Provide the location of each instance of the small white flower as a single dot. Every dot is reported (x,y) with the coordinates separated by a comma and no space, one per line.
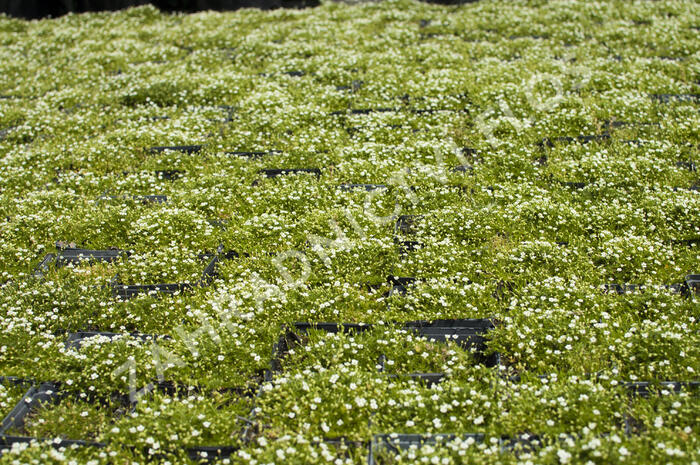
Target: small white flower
(564,456)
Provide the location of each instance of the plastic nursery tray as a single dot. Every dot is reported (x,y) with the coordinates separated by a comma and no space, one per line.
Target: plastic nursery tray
(690,242)
(48,393)
(621,124)
(645,389)
(75,340)
(273,173)
(688,165)
(354,86)
(573,184)
(462,169)
(547,142)
(221,224)
(399,285)
(169,175)
(467,333)
(367,111)
(364,111)
(253,155)
(396,443)
(165,175)
(30,400)
(127,291)
(405,223)
(361,187)
(408,246)
(667,98)
(177,148)
(4,132)
(691,285)
(74,256)
(292,73)
(352,130)
(694,187)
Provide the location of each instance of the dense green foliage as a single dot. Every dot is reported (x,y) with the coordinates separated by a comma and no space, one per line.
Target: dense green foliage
(511,237)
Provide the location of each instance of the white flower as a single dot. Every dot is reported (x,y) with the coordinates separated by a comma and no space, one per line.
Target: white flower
(479,420)
(564,456)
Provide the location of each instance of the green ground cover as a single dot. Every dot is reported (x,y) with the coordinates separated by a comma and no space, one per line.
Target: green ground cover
(515,158)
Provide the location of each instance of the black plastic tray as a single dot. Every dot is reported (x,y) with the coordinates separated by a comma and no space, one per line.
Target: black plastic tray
(354,86)
(690,286)
(691,242)
(253,155)
(547,142)
(573,184)
(404,223)
(396,443)
(688,165)
(177,148)
(48,392)
(367,111)
(645,389)
(74,256)
(428,378)
(273,173)
(622,289)
(169,175)
(400,285)
(408,246)
(361,187)
(667,98)
(74,340)
(467,333)
(127,291)
(35,395)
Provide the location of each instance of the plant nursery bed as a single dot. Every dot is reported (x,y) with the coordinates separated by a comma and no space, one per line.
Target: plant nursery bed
(483,218)
(76,256)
